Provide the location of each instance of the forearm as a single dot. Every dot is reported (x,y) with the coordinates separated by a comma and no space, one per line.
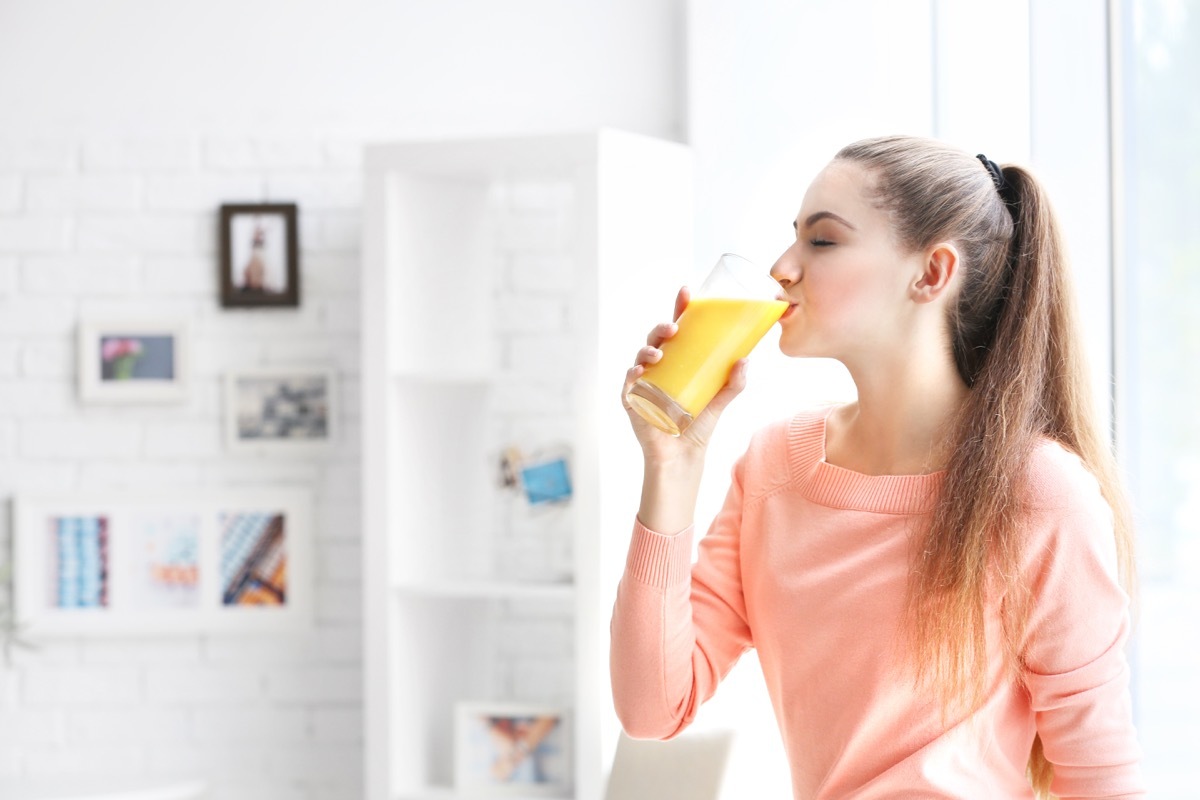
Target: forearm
(669,492)
(652,636)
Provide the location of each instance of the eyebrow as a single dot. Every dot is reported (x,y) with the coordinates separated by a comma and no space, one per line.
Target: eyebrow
(820,215)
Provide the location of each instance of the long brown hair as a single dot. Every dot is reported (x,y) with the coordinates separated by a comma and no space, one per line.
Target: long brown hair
(1015,343)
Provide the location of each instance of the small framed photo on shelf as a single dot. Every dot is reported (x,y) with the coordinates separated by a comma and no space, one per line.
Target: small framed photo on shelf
(546,479)
(543,476)
(260,258)
(512,749)
(280,410)
(133,565)
(133,361)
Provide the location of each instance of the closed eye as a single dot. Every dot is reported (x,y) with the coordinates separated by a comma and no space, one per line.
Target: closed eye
(820,243)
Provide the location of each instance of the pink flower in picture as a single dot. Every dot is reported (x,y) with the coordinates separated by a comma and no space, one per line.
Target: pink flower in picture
(121,354)
(112,349)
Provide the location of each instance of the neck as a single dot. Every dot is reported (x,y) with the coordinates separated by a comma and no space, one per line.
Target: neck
(903,421)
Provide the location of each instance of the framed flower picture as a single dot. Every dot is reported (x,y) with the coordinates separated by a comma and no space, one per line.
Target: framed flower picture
(104,565)
(133,361)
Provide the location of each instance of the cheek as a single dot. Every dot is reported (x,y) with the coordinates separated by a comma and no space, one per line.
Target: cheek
(851,299)
(873,277)
(839,300)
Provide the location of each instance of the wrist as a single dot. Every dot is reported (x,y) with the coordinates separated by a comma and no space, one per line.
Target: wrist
(683,462)
(669,493)
(675,481)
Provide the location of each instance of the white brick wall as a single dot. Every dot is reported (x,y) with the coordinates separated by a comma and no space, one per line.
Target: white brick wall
(8,275)
(82,193)
(113,226)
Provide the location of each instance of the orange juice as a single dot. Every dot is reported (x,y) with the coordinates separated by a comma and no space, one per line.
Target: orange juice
(713,333)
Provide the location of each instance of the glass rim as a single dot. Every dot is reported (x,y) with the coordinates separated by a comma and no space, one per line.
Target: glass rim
(743,273)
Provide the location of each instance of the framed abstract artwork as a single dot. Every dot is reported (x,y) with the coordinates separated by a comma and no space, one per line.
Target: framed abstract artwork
(110,564)
(505,749)
(280,410)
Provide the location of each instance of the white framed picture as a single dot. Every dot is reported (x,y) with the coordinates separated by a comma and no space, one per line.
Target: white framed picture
(113,564)
(280,410)
(512,749)
(133,361)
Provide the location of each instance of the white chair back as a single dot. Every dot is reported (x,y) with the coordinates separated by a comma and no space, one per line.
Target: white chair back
(689,767)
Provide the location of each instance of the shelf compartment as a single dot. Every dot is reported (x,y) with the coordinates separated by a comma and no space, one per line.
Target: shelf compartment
(458,649)
(441,235)
(444,487)
(488,589)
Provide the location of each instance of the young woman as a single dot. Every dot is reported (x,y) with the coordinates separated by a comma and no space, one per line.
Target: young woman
(937,576)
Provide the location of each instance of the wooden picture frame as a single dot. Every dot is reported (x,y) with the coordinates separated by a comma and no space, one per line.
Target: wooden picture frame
(140,360)
(259,255)
(131,564)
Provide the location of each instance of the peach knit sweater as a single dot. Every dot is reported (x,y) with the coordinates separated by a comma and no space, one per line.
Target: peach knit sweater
(807,562)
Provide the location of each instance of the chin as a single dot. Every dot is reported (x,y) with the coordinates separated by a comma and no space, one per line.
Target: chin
(796,347)
(791,350)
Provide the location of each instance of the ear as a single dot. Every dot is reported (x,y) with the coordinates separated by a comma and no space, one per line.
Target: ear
(940,268)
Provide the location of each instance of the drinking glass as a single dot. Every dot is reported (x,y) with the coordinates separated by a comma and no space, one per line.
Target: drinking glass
(734,307)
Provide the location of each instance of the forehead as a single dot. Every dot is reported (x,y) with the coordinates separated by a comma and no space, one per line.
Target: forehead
(844,188)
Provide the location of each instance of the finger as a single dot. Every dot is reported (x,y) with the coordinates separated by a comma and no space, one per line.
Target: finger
(681,301)
(648,355)
(661,333)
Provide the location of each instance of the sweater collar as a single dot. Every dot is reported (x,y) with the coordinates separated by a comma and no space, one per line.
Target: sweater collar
(836,487)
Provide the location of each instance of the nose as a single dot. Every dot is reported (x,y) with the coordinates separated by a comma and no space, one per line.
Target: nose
(786,271)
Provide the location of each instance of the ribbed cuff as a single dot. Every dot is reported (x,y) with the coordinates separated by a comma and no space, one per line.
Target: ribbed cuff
(1123,782)
(660,559)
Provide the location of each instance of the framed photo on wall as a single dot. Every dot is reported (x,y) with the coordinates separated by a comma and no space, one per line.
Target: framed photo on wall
(133,361)
(512,749)
(105,565)
(260,258)
(280,410)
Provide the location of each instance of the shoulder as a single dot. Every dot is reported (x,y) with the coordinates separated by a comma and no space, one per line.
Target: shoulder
(777,450)
(1057,480)
(1079,607)
(1064,506)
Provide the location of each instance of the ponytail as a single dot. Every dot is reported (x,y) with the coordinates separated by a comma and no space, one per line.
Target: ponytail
(1016,344)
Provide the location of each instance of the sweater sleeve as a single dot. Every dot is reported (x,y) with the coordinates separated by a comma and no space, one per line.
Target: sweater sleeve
(675,635)
(1076,670)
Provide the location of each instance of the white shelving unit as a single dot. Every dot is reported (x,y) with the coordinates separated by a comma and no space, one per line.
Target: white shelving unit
(507,284)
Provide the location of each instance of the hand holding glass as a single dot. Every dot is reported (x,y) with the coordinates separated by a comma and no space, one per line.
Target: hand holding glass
(734,308)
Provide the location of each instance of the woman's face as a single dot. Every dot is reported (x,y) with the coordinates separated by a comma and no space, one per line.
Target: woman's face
(845,274)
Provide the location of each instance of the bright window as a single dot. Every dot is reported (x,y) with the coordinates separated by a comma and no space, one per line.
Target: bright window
(1158,291)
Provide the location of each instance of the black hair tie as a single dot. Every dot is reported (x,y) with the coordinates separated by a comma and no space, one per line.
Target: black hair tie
(996,173)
